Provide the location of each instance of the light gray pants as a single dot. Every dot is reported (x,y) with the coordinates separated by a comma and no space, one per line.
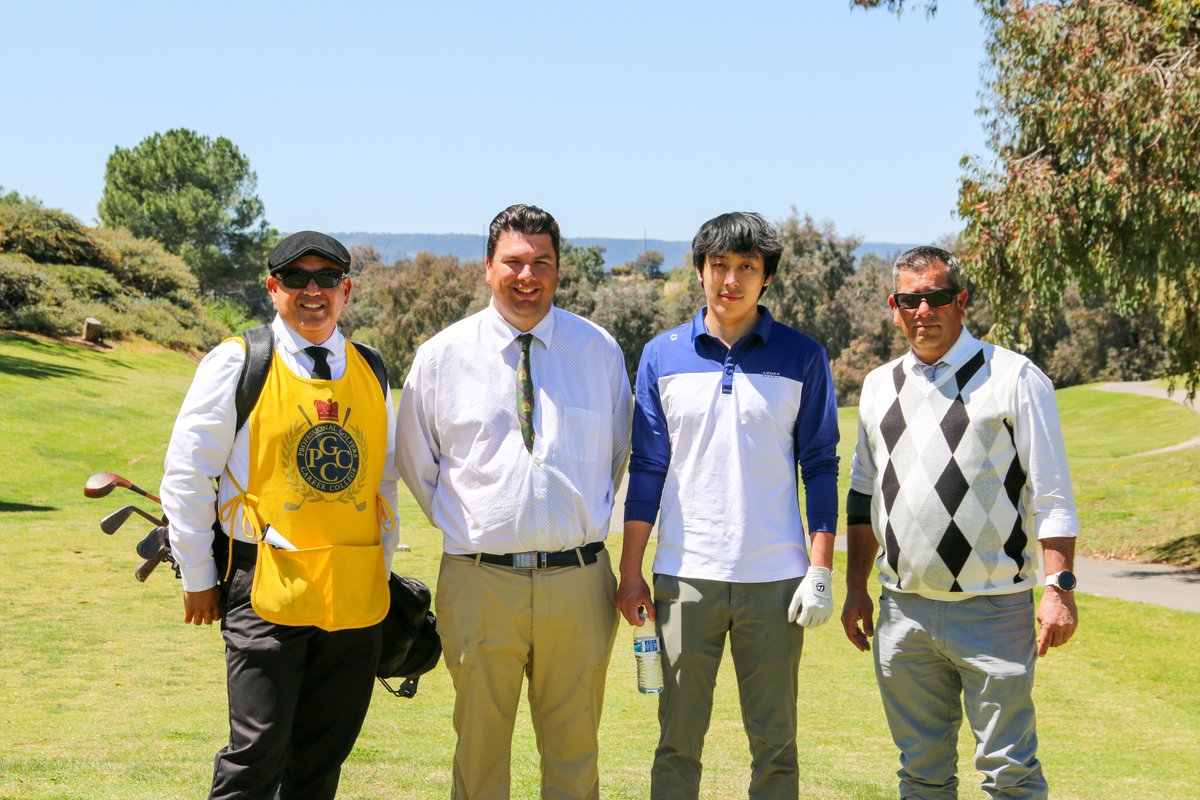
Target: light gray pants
(935,657)
(694,619)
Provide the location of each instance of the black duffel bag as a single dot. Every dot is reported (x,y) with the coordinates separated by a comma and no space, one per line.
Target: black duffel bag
(411,645)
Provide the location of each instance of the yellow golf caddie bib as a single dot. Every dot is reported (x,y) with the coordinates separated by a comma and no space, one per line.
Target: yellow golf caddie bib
(316,457)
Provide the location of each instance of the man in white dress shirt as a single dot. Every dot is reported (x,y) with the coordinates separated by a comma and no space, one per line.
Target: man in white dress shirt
(959,472)
(513,433)
(300,661)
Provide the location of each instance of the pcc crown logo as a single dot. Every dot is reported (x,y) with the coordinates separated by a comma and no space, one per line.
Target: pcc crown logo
(327,457)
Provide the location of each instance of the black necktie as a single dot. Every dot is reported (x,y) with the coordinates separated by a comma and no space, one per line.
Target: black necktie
(320,357)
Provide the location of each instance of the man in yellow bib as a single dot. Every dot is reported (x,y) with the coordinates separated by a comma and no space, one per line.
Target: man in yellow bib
(296,568)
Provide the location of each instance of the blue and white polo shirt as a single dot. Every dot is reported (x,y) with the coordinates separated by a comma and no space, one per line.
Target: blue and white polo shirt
(717,436)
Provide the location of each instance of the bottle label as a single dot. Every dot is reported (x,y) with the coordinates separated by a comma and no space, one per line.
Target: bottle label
(645,644)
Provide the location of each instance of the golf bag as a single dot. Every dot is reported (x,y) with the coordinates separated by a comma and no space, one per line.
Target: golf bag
(411,645)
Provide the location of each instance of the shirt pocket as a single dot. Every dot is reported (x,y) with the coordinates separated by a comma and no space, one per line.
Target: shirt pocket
(584,434)
(768,403)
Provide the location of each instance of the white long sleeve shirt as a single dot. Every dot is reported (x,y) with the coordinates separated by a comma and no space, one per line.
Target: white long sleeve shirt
(203,443)
(966,471)
(460,450)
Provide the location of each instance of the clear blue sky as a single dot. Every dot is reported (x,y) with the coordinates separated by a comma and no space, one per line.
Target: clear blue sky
(623,119)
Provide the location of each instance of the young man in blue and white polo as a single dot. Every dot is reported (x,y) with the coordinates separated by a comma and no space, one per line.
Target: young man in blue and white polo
(727,406)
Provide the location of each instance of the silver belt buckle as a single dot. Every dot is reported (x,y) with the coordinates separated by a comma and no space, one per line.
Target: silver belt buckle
(526,560)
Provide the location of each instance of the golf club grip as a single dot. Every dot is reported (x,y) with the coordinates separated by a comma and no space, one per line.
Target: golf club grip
(148,566)
(145,494)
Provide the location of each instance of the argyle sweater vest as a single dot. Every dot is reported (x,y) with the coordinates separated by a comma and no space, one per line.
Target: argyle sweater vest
(949,506)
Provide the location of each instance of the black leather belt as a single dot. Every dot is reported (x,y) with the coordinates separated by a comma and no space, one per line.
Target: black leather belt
(243,552)
(536,559)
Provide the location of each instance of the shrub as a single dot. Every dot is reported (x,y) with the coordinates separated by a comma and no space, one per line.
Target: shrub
(37,298)
(89,283)
(22,284)
(56,272)
(1099,344)
(232,314)
(397,308)
(145,265)
(628,309)
(14,198)
(161,321)
(46,235)
(55,299)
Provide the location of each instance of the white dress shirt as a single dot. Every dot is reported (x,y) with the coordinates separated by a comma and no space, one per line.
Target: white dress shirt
(203,444)
(459,447)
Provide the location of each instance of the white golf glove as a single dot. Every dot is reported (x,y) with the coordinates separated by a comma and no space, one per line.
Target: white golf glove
(813,601)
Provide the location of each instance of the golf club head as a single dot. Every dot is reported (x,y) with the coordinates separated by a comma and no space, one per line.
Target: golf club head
(143,572)
(116,519)
(102,483)
(152,544)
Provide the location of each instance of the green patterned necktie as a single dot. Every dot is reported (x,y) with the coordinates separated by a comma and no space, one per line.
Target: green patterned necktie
(525,393)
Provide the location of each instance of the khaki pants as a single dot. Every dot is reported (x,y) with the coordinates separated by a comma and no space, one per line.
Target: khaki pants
(556,627)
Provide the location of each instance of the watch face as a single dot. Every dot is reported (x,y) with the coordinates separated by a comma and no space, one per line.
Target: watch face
(1066,581)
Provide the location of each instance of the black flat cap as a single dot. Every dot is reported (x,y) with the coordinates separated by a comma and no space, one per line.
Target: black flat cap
(306,243)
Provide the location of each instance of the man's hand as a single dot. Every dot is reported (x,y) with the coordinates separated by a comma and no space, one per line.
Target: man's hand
(633,595)
(861,549)
(203,607)
(632,592)
(812,605)
(1057,617)
(858,608)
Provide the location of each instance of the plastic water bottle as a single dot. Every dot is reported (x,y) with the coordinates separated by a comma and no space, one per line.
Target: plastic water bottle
(647,652)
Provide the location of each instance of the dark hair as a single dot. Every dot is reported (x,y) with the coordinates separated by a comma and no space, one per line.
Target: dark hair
(741,232)
(924,258)
(526,219)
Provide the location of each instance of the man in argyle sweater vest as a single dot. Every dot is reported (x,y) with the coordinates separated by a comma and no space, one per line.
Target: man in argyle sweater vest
(959,469)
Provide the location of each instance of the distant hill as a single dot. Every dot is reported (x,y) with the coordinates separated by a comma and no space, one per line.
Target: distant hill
(470,246)
(395,246)
(885,250)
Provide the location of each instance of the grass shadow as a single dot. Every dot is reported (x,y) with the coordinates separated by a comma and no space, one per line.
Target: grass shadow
(6,507)
(1183,552)
(29,368)
(52,346)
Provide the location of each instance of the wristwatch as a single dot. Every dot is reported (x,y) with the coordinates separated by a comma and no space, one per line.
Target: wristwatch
(1062,580)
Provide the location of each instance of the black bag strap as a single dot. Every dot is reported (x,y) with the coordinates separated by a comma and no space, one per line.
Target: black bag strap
(260,347)
(374,359)
(406,689)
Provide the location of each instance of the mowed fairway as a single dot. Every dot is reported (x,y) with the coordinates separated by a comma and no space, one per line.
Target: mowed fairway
(104,693)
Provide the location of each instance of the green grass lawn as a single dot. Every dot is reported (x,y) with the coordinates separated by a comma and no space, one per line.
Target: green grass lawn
(105,694)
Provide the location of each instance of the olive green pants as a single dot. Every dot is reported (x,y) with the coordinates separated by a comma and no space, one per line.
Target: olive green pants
(694,619)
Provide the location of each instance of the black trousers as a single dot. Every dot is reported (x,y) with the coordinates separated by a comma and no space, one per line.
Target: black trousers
(297,698)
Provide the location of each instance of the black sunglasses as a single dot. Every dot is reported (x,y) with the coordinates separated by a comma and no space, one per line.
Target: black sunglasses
(936,298)
(298,278)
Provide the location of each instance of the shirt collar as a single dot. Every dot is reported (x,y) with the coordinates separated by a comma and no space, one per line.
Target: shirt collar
(959,352)
(293,342)
(761,329)
(502,332)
